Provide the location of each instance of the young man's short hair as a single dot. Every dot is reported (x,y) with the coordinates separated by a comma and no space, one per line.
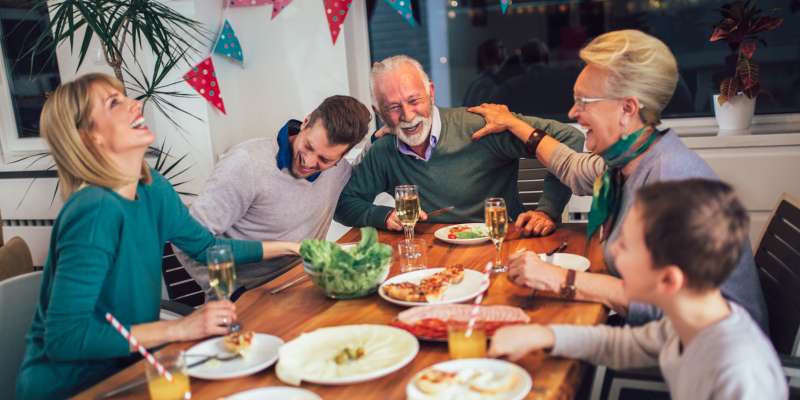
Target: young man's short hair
(345,119)
(698,225)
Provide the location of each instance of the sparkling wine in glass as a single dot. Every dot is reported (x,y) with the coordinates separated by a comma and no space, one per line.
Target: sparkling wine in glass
(221,273)
(407,205)
(497,223)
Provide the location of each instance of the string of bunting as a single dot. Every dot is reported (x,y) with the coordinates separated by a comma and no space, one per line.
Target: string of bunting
(202,77)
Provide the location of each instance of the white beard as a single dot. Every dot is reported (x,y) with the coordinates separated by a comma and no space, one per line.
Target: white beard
(418,138)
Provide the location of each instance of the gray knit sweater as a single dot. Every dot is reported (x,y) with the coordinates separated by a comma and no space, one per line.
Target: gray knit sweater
(729,360)
(248,197)
(668,159)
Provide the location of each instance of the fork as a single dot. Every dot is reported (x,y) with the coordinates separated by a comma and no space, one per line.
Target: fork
(207,358)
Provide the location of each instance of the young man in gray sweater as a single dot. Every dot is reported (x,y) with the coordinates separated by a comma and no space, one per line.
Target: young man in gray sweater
(678,243)
(283,187)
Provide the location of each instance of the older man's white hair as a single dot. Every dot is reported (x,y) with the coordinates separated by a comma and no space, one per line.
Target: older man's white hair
(392,63)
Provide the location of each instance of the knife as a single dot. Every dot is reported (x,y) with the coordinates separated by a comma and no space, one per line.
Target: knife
(441,211)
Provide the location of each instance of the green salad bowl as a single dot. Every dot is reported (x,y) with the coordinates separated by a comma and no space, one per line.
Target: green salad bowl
(349,283)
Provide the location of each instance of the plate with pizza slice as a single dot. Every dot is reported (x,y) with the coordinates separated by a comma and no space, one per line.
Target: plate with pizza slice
(453,284)
(472,233)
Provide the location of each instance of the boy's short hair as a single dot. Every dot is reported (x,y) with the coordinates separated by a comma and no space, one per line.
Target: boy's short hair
(699,225)
(345,118)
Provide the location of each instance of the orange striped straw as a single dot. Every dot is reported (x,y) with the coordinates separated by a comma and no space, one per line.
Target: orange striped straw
(473,314)
(135,343)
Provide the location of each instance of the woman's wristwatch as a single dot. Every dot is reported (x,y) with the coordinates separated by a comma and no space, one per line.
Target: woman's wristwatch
(569,290)
(533,140)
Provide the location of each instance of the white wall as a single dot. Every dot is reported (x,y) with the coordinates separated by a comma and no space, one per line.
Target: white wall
(290,67)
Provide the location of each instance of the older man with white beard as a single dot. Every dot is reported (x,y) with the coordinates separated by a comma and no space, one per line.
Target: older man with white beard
(432,148)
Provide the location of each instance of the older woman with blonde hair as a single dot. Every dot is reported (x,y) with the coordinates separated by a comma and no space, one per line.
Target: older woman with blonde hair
(106,245)
(628,80)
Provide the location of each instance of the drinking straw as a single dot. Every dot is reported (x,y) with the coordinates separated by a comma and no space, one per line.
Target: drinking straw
(135,343)
(473,314)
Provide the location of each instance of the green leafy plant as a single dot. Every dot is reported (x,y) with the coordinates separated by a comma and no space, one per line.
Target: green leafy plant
(126,28)
(741,24)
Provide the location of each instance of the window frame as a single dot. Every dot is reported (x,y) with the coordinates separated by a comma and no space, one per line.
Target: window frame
(11,145)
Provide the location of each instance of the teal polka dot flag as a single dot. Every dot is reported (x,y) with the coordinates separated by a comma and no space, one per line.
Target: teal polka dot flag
(228,44)
(403,7)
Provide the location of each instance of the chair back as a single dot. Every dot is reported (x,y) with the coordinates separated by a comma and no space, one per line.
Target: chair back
(181,287)
(778,261)
(530,182)
(19,297)
(15,259)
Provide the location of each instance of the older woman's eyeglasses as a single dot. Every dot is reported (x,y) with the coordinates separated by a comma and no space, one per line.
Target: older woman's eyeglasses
(581,102)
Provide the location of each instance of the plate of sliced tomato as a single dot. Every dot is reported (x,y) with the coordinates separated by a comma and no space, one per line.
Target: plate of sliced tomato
(472,233)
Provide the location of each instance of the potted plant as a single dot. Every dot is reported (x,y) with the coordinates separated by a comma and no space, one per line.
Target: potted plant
(741,24)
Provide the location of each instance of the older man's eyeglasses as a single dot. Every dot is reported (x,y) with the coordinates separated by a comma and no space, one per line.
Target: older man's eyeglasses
(581,101)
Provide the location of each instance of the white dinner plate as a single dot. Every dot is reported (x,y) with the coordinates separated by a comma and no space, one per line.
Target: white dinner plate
(262,353)
(522,387)
(442,233)
(567,261)
(472,285)
(310,357)
(275,393)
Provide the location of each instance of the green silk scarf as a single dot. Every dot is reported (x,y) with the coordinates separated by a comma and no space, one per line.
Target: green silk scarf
(607,193)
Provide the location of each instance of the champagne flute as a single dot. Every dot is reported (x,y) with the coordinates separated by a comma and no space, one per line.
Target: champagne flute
(222,274)
(497,223)
(407,206)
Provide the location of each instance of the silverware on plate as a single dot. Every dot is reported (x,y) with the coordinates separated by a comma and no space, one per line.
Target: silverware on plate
(206,358)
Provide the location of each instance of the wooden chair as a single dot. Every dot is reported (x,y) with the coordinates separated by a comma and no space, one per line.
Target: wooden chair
(778,261)
(184,293)
(530,182)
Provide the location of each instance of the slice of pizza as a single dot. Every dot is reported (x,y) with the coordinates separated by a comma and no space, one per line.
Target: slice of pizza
(238,342)
(455,273)
(434,287)
(404,291)
(434,381)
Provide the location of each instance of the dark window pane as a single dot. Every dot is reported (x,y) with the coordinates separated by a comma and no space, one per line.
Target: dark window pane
(30,78)
(528,58)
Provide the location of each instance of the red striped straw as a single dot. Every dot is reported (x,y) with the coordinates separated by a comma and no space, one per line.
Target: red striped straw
(135,343)
(473,314)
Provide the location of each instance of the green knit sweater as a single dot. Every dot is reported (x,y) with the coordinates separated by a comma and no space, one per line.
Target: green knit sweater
(460,172)
(105,256)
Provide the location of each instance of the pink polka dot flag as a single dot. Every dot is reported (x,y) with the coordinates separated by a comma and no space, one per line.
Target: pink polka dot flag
(403,7)
(228,44)
(504,5)
(248,3)
(336,12)
(202,77)
(278,5)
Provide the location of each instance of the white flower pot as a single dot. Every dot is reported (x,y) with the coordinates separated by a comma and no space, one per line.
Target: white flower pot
(734,117)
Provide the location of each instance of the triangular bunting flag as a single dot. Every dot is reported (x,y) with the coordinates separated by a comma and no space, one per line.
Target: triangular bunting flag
(203,79)
(248,3)
(336,12)
(278,5)
(504,5)
(403,8)
(228,44)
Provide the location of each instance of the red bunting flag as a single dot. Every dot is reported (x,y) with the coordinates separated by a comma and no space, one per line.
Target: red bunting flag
(336,12)
(203,78)
(278,5)
(248,3)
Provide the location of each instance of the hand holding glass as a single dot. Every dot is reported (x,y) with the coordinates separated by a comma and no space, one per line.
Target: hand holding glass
(221,273)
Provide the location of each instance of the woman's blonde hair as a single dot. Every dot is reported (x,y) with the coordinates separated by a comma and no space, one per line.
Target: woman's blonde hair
(639,66)
(65,124)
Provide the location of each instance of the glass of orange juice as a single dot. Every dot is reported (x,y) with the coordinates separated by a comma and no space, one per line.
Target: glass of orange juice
(159,387)
(465,344)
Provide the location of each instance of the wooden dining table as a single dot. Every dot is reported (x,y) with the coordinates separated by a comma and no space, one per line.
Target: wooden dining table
(304,308)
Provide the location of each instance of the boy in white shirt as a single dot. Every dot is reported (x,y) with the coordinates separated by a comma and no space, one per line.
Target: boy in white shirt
(678,244)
